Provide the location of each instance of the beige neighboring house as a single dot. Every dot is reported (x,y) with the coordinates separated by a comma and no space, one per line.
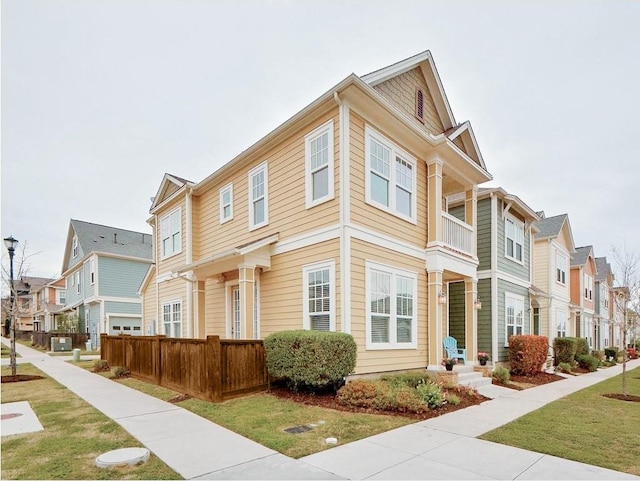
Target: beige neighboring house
(27,289)
(551,266)
(336,220)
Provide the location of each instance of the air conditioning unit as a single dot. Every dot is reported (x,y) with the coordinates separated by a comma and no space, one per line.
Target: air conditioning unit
(60,344)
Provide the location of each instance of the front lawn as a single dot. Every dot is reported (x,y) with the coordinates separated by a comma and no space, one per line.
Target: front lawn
(584,426)
(75,433)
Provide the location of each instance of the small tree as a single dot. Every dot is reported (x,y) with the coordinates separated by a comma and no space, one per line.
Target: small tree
(67,322)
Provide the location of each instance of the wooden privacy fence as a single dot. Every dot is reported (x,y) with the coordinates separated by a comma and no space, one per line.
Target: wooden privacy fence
(211,369)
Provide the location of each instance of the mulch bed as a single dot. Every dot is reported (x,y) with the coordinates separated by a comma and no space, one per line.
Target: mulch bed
(179,398)
(329,401)
(622,397)
(523,382)
(20,378)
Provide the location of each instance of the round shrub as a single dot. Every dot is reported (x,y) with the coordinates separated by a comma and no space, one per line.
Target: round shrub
(588,362)
(310,359)
(527,354)
(564,349)
(565,367)
(430,394)
(501,374)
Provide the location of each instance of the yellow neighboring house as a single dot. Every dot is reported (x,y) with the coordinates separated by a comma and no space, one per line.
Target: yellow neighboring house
(336,220)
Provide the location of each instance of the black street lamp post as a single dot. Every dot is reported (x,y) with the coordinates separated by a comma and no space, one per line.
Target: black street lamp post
(10,244)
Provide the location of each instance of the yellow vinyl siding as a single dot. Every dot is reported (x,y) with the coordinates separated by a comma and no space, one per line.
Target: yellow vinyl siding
(171,291)
(377,219)
(541,265)
(281,288)
(401,91)
(287,212)
(149,305)
(392,359)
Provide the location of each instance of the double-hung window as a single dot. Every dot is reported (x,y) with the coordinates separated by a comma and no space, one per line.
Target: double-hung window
(391,307)
(172,318)
(258,197)
(391,177)
(226,203)
(514,315)
(561,322)
(319,297)
(318,148)
(588,287)
(92,272)
(77,282)
(561,268)
(514,239)
(171,233)
(74,246)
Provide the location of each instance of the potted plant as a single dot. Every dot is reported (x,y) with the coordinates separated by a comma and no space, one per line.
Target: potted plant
(448,363)
(483,357)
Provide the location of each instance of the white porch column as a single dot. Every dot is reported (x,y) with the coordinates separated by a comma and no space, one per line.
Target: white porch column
(435,319)
(246,286)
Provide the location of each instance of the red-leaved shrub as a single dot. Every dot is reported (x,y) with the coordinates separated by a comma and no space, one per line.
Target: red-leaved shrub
(527,354)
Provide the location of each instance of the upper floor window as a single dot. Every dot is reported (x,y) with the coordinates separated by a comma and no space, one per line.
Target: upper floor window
(92,272)
(514,315)
(77,274)
(226,203)
(420,104)
(258,197)
(319,297)
(318,148)
(74,246)
(604,296)
(62,296)
(588,287)
(391,307)
(170,233)
(514,239)
(391,177)
(561,268)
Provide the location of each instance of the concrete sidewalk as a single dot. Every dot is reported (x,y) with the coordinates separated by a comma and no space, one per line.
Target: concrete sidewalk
(440,448)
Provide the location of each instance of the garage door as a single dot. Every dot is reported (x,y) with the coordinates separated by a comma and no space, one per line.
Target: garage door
(125,325)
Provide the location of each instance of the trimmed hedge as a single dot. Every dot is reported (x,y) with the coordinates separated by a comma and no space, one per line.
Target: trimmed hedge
(527,354)
(586,361)
(582,346)
(564,349)
(310,359)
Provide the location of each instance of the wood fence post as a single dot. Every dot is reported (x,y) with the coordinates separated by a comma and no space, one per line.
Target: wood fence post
(157,358)
(103,350)
(214,371)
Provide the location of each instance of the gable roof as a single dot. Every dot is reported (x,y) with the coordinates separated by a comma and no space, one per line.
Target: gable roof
(168,187)
(551,227)
(424,60)
(581,255)
(603,269)
(107,240)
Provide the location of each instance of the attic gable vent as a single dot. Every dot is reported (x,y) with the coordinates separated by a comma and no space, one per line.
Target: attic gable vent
(420,104)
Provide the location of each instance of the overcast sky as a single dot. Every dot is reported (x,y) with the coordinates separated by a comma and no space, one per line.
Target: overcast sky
(101,97)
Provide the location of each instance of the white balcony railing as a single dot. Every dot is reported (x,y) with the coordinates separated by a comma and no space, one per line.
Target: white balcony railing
(457,234)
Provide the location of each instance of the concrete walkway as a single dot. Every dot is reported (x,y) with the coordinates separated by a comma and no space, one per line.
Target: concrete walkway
(441,448)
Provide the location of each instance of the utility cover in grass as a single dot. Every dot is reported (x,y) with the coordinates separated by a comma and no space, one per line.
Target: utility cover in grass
(298,429)
(123,457)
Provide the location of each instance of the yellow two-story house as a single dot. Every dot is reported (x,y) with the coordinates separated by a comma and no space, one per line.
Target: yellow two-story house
(336,220)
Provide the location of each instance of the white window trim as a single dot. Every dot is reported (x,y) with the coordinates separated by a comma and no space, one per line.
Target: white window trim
(520,299)
(171,303)
(163,219)
(517,225)
(224,190)
(395,151)
(77,274)
(326,128)
(588,287)
(262,167)
(74,246)
(92,272)
(331,265)
(566,322)
(564,267)
(393,271)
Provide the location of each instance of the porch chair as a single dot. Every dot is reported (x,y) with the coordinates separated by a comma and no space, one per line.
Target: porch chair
(453,351)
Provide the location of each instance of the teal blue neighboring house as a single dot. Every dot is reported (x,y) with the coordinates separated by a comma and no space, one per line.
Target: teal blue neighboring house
(506,293)
(103,268)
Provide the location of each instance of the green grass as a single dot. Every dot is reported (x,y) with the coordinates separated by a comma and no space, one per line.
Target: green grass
(263,418)
(74,434)
(584,426)
(6,352)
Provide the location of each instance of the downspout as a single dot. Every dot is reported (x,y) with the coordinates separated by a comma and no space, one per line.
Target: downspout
(189,259)
(345,215)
